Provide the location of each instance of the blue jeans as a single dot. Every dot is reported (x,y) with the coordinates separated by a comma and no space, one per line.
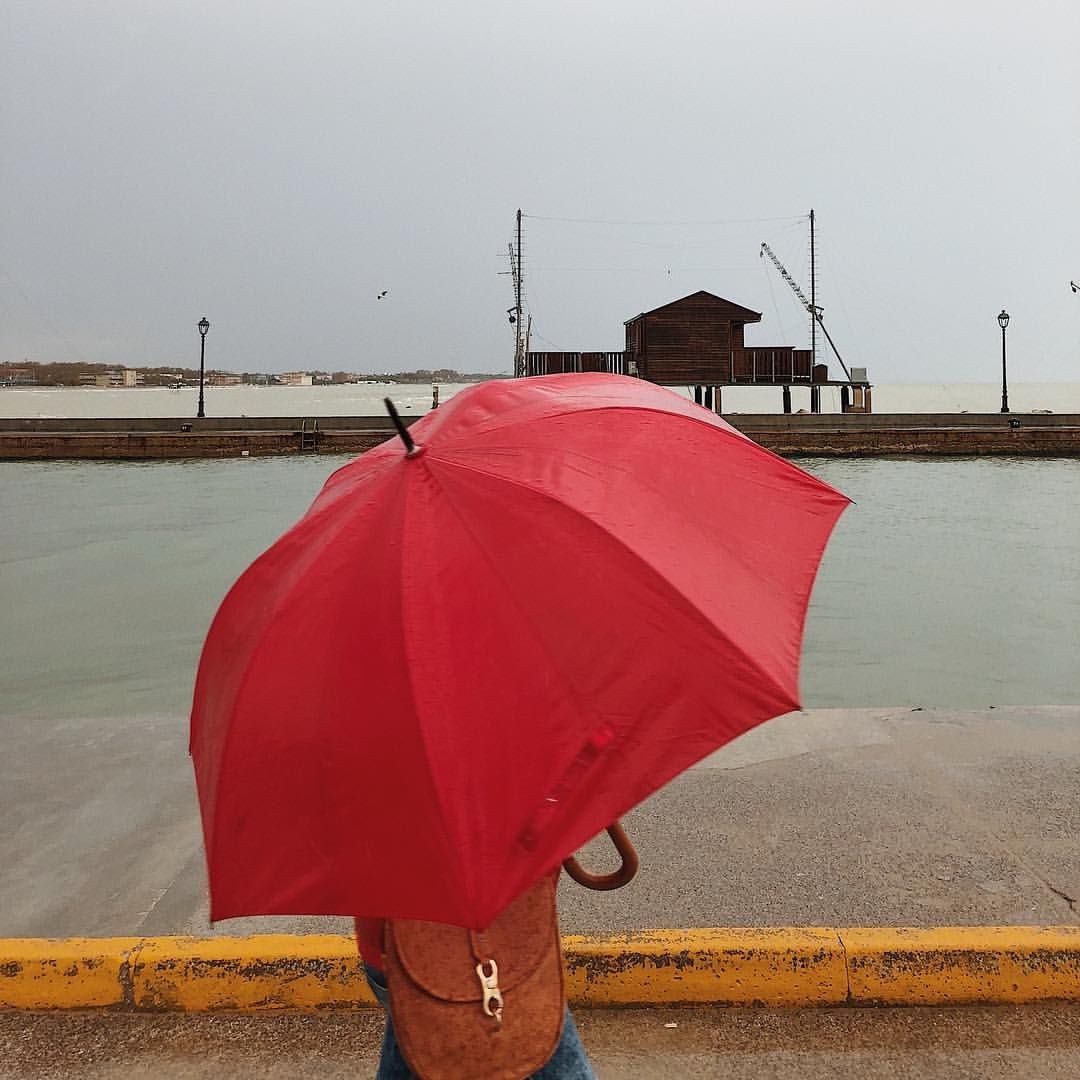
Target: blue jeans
(567,1063)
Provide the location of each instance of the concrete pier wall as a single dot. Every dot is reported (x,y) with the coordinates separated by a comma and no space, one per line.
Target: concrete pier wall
(936,434)
(877,434)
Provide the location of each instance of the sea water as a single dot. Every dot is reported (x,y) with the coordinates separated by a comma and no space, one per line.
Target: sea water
(949,582)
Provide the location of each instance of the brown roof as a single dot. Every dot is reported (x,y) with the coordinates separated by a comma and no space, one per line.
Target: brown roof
(726,307)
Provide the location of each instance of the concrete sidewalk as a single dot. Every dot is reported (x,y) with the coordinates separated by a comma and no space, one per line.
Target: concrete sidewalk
(872,817)
(656,1044)
(869,817)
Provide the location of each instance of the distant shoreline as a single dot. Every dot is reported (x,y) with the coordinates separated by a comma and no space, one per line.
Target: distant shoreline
(78,377)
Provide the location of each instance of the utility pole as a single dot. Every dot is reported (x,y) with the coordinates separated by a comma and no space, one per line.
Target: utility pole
(519,341)
(512,312)
(813,296)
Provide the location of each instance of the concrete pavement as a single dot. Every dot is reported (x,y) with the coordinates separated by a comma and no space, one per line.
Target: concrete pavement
(867,817)
(829,818)
(655,1044)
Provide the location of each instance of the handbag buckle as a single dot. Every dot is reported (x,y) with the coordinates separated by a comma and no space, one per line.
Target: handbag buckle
(489,984)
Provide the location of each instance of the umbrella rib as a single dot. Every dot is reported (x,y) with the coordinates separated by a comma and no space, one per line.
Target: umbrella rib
(573,691)
(210,840)
(723,428)
(638,557)
(493,563)
(576,456)
(409,674)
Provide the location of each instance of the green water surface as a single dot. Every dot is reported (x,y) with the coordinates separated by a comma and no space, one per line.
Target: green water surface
(949,582)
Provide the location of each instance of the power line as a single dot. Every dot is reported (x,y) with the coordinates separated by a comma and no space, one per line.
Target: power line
(634,269)
(772,297)
(517,261)
(547,341)
(715,221)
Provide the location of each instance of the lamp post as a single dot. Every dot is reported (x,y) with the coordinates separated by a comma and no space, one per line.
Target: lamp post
(203,327)
(1003,321)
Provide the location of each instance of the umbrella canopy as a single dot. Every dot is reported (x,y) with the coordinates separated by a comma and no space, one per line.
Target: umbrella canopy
(465,661)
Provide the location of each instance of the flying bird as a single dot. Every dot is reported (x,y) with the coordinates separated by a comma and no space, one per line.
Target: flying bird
(382,294)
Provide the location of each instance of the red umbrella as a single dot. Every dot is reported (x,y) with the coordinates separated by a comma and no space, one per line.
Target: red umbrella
(466,660)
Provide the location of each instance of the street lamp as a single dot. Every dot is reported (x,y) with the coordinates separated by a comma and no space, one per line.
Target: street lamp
(1003,321)
(203,327)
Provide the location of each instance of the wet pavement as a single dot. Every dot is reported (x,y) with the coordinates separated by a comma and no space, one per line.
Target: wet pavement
(856,817)
(737,1044)
(829,818)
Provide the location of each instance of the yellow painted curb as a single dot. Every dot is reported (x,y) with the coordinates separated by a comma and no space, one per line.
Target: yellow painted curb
(757,967)
(729,967)
(265,972)
(64,973)
(963,964)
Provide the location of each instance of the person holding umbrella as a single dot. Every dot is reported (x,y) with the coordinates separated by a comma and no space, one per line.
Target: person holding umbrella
(486,642)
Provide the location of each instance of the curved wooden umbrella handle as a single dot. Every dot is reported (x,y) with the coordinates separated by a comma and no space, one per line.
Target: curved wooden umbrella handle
(616,880)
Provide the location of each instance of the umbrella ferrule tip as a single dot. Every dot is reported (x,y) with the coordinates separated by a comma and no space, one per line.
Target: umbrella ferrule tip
(414,451)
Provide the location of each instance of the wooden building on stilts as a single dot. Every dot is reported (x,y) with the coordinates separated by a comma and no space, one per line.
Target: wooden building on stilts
(698,341)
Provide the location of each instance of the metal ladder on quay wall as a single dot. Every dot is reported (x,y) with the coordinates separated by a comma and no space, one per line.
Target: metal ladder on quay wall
(309,435)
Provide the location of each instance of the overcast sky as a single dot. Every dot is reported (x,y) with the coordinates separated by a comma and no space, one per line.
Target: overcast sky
(276,165)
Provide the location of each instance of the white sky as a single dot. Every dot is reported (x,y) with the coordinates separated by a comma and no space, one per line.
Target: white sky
(276,165)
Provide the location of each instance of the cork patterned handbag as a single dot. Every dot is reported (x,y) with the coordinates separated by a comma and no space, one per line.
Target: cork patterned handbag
(486,1005)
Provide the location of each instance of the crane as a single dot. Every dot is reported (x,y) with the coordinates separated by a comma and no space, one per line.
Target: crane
(815,310)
